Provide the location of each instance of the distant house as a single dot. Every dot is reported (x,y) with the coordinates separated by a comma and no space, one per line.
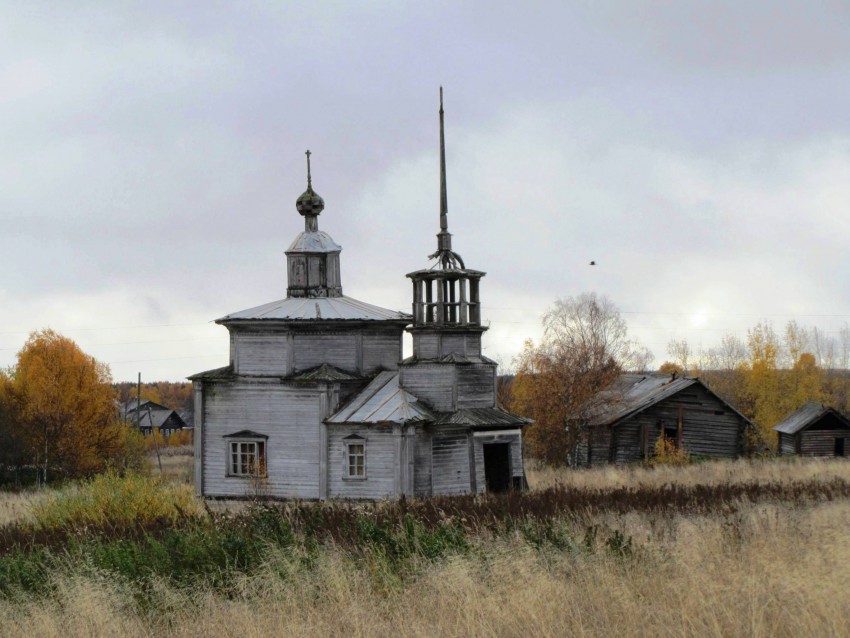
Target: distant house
(149,417)
(638,409)
(814,430)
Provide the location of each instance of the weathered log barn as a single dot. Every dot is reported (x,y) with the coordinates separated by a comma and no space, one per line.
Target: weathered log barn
(317,403)
(638,409)
(814,430)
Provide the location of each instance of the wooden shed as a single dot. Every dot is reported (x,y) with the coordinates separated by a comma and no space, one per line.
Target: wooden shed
(638,409)
(814,430)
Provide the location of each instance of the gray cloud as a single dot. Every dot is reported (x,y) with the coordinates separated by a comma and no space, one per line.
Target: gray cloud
(152,154)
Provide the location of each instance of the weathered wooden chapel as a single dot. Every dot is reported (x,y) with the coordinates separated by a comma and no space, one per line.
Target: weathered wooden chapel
(317,402)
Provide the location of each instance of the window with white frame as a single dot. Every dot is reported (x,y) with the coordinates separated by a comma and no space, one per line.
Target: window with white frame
(355,457)
(247,457)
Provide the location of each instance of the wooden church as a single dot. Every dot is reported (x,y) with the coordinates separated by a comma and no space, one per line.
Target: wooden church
(317,402)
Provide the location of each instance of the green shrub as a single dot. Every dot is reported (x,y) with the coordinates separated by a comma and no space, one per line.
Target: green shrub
(116,501)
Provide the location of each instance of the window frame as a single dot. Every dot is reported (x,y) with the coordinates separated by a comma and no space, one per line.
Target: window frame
(260,453)
(349,442)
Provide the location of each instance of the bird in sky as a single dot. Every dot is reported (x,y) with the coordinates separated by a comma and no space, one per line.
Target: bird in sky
(593,263)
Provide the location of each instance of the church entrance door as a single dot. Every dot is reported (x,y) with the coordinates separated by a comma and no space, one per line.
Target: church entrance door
(497,466)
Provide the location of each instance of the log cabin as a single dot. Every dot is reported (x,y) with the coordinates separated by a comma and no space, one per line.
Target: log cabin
(639,409)
(814,430)
(317,401)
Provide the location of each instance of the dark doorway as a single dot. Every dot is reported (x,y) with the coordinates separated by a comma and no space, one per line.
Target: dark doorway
(839,447)
(497,466)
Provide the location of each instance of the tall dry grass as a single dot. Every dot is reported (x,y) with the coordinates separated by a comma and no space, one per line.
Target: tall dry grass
(706,473)
(762,571)
(17,507)
(765,568)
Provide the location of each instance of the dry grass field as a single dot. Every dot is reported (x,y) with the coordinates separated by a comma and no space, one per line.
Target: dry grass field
(767,568)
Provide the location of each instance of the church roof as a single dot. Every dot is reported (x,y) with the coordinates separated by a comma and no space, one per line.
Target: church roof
(313,308)
(382,401)
(317,241)
(324,372)
(490,417)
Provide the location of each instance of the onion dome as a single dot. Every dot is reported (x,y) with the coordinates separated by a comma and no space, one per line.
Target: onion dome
(309,203)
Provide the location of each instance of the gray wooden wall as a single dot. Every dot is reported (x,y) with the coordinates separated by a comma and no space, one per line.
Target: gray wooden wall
(381,463)
(822,442)
(447,387)
(450,462)
(281,353)
(289,416)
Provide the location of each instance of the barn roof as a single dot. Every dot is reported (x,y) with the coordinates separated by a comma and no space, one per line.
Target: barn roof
(382,401)
(152,415)
(317,308)
(807,416)
(631,394)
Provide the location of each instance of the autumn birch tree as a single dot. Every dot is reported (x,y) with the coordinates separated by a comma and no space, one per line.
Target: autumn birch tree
(585,347)
(66,408)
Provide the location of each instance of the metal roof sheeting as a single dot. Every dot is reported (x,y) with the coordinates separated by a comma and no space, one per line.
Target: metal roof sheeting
(316,241)
(317,308)
(807,416)
(382,401)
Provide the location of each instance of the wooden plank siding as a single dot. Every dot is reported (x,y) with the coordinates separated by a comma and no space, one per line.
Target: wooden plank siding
(476,386)
(261,353)
(822,442)
(380,351)
(289,416)
(422,463)
(337,349)
(426,345)
(381,463)
(433,383)
(787,443)
(450,462)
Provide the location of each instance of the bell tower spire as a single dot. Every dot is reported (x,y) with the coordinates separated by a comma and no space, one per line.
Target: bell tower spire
(446,304)
(448,259)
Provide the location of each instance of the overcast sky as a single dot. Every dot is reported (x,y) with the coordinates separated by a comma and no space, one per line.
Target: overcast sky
(151,154)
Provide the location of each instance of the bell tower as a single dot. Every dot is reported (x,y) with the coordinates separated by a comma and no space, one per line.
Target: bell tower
(446,296)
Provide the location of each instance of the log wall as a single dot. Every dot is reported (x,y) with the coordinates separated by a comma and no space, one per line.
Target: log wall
(450,462)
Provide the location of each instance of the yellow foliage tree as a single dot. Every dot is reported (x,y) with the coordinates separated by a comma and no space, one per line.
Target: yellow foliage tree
(66,407)
(761,380)
(585,347)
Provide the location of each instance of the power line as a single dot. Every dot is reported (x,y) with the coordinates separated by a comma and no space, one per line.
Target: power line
(152,325)
(130,343)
